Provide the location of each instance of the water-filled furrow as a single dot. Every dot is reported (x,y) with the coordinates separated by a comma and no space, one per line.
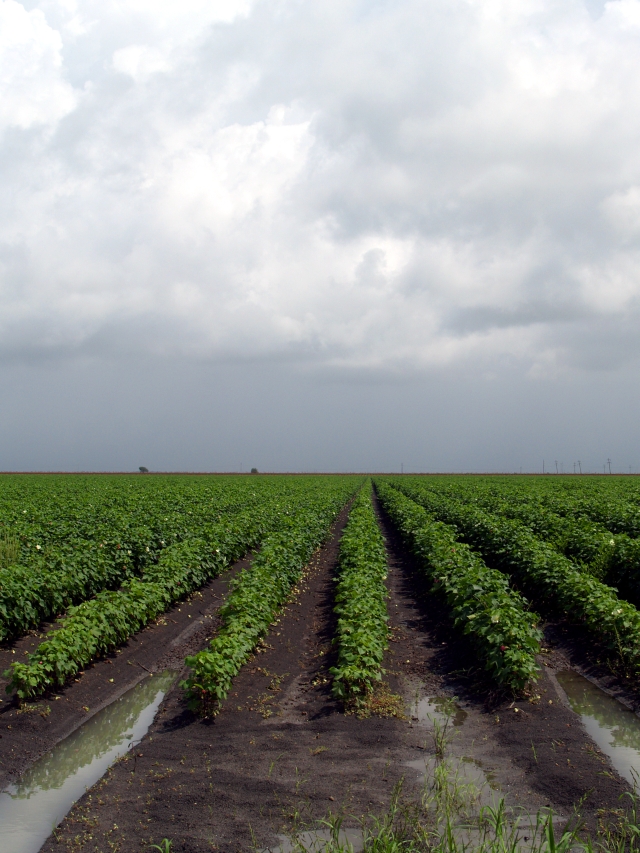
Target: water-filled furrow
(614,728)
(32,807)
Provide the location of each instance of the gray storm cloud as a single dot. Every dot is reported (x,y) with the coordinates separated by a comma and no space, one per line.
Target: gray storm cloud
(384,185)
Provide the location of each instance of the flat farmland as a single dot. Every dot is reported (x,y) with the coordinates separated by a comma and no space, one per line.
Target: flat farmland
(318,662)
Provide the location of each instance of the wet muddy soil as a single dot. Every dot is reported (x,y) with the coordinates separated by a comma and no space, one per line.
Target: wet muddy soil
(28,733)
(281,754)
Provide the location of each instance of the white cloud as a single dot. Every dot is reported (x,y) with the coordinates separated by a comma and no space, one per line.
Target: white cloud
(386,184)
(139,61)
(32,86)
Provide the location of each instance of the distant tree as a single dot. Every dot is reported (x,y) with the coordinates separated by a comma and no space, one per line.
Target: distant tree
(254,470)
(143,470)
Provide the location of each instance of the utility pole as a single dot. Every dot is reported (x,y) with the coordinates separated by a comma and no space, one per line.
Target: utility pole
(579,466)
(556,466)
(609,464)
(574,467)
(402,467)
(543,466)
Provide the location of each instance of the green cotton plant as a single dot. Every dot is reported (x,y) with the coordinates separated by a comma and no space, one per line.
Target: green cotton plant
(609,557)
(208,535)
(617,513)
(613,558)
(54,580)
(481,602)
(90,629)
(98,626)
(256,596)
(9,551)
(586,543)
(73,548)
(549,576)
(101,624)
(624,572)
(362,634)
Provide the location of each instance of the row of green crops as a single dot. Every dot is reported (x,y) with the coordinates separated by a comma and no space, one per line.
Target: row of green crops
(109,554)
(100,624)
(613,502)
(54,565)
(257,595)
(616,508)
(613,558)
(547,576)
(362,635)
(481,603)
(585,542)
(49,584)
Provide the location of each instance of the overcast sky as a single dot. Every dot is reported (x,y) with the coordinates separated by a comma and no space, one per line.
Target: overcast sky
(337,235)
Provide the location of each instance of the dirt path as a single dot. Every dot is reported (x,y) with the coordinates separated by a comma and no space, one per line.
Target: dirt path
(281,754)
(25,736)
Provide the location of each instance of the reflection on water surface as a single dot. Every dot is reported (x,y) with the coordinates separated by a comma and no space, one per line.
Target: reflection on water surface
(613,727)
(439,708)
(31,808)
(317,840)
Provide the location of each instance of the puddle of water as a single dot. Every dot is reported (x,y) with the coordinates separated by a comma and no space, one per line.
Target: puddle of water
(613,727)
(439,708)
(467,772)
(35,805)
(489,777)
(315,841)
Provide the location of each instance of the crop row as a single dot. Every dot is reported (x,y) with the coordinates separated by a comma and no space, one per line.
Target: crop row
(52,576)
(549,577)
(98,626)
(257,595)
(482,604)
(617,513)
(102,623)
(613,558)
(163,539)
(362,634)
(65,511)
(612,502)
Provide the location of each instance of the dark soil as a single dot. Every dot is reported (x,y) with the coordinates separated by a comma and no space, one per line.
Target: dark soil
(281,754)
(25,735)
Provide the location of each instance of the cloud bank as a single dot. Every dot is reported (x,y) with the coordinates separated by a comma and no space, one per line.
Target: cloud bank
(386,185)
